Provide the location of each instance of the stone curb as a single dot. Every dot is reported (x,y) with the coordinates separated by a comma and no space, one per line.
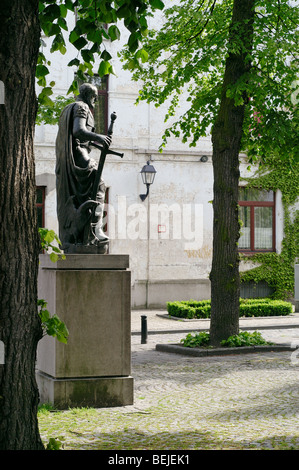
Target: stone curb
(243,328)
(253,318)
(200,352)
(193,325)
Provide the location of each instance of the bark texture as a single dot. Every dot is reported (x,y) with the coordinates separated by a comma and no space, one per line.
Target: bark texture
(226,138)
(20,328)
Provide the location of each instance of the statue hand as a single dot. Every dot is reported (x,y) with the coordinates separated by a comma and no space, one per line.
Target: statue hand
(105,139)
(108,140)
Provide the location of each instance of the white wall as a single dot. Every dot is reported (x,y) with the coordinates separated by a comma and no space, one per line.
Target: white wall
(165,265)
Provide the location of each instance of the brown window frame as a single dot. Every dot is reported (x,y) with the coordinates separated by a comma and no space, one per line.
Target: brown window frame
(104,93)
(101,92)
(252,205)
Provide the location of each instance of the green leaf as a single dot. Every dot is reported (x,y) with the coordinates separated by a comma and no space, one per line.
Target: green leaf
(51,12)
(52,325)
(49,236)
(41,58)
(133,41)
(143,55)
(104,68)
(74,88)
(157,4)
(63,10)
(73,36)
(44,315)
(81,72)
(41,70)
(80,43)
(95,36)
(74,62)
(41,6)
(43,97)
(69,5)
(62,23)
(132,64)
(54,257)
(53,444)
(58,44)
(53,29)
(87,56)
(144,32)
(41,302)
(123,12)
(106,56)
(114,32)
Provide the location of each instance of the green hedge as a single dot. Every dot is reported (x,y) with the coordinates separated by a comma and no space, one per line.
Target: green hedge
(248,308)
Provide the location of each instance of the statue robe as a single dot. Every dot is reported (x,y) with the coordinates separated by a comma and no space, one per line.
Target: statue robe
(74,185)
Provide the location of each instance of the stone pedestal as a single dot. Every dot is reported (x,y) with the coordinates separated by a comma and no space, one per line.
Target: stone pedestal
(91,295)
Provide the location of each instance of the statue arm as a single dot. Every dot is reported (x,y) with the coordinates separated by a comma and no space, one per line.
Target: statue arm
(81,133)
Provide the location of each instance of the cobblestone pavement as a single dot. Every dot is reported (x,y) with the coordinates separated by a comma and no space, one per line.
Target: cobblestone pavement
(240,401)
(247,401)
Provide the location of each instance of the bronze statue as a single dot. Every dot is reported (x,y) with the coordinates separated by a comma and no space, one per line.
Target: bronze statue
(80,189)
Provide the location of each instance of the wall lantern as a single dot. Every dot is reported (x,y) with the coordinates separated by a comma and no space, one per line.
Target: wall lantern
(148,174)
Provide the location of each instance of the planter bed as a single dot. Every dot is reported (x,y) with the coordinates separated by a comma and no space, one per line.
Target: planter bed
(221,351)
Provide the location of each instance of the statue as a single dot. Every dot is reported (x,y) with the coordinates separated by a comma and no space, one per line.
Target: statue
(80,188)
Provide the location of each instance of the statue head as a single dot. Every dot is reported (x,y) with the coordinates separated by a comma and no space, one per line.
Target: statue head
(88,94)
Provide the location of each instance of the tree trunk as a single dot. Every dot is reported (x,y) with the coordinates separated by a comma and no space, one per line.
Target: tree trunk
(226,138)
(20,328)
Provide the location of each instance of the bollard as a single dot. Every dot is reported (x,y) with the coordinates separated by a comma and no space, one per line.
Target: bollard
(143,329)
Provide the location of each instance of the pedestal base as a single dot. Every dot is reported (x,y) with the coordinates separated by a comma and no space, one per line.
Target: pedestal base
(101,249)
(91,295)
(101,392)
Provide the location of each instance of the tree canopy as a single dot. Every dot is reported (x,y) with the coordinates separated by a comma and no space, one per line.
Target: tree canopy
(188,53)
(233,64)
(96,20)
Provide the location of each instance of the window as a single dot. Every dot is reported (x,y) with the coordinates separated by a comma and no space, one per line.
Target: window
(40,205)
(257,212)
(101,107)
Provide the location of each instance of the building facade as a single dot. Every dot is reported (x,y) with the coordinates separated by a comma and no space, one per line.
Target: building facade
(168,235)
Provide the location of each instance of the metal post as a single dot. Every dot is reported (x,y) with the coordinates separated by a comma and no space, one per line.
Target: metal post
(143,329)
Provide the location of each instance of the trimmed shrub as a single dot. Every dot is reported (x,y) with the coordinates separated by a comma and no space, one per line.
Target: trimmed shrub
(248,308)
(264,309)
